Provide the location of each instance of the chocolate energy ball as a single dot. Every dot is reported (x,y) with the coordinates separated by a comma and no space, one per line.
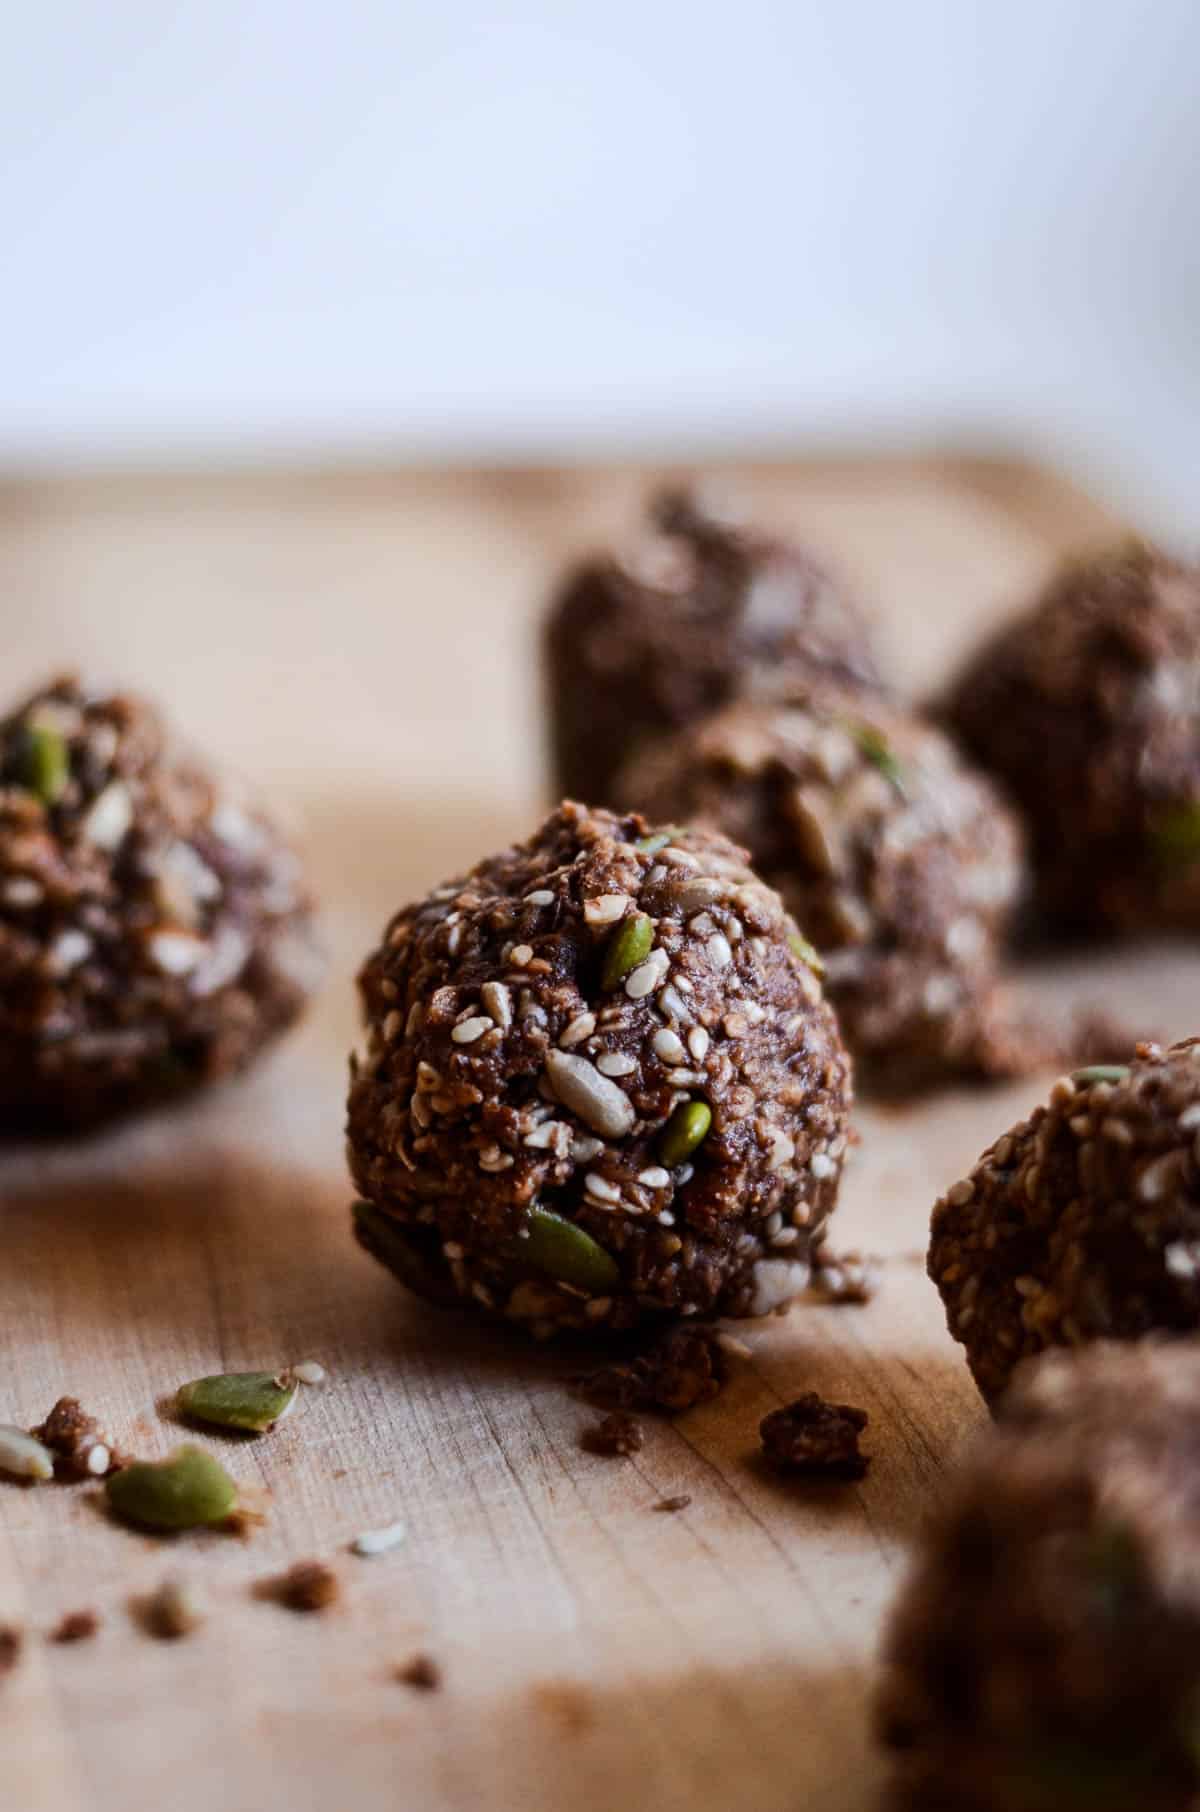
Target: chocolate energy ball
(155,932)
(898,862)
(701,612)
(1045,1654)
(1083,1221)
(601,1085)
(1087,710)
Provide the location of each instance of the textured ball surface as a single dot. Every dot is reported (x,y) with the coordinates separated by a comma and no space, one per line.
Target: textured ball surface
(1087,711)
(1081,1222)
(701,612)
(601,1087)
(1045,1653)
(155,931)
(898,861)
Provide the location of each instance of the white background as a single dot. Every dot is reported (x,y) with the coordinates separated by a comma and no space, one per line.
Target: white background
(544,229)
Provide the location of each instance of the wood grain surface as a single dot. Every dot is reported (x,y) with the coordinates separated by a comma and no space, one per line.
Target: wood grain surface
(363,643)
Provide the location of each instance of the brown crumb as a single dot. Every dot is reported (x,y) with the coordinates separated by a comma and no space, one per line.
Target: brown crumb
(81,1449)
(422,1672)
(174,1610)
(11,1639)
(248,1514)
(670,1504)
(812,1438)
(308,1586)
(844,1277)
(683,1367)
(76,1626)
(618,1436)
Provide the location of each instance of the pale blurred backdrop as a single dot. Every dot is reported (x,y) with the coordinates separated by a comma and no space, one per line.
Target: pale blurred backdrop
(545,230)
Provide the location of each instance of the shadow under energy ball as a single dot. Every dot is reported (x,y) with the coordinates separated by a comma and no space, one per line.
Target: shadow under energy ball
(155,930)
(699,611)
(601,1084)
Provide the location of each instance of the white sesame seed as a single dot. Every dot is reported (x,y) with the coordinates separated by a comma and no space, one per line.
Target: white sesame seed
(584,1148)
(453,940)
(719,953)
(310,1371)
(392,1025)
(773,1224)
(541,896)
(498,1001)
(678,858)
(787,1236)
(522,954)
(1152,1184)
(494,1160)
(669,1046)
(822,1166)
(703,925)
(109,817)
(416,1014)
(615,1063)
(655,1177)
(21,891)
(598,1308)
(959,1194)
(782,1151)
(471,1029)
(378,1541)
(671,1003)
(682,982)
(601,1188)
(451,1249)
(547,1136)
(69,949)
(605,909)
(1182,1259)
(175,952)
(1189,1119)
(581,1027)
(647,976)
(427,1076)
(698,1043)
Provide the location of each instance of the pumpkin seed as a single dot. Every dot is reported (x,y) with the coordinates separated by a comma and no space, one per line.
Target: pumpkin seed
(650,846)
(874,745)
(1175,835)
(253,1401)
(190,1490)
(565,1252)
(1100,1072)
(45,762)
(629,945)
(684,1132)
(23,1457)
(808,953)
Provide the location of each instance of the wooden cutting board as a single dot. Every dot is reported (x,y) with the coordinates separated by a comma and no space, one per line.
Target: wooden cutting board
(363,643)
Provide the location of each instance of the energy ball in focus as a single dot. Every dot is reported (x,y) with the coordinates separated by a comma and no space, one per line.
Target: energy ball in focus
(1087,711)
(155,933)
(898,862)
(601,1087)
(701,612)
(1082,1222)
(1045,1654)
